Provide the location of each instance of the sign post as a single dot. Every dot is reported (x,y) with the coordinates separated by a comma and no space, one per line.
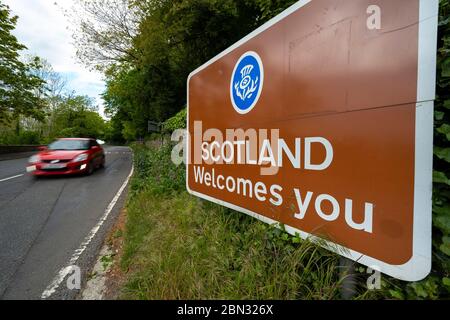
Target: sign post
(322,120)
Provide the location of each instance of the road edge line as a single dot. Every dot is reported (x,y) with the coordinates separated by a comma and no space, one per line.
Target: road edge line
(10,178)
(54,285)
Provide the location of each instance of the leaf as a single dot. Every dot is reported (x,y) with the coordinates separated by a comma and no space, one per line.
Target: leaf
(396,294)
(439,115)
(447,104)
(445,130)
(442,210)
(445,246)
(446,282)
(442,23)
(445,65)
(442,153)
(427,288)
(419,290)
(440,177)
(443,223)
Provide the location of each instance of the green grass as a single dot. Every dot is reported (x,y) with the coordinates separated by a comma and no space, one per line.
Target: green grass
(180,247)
(177,246)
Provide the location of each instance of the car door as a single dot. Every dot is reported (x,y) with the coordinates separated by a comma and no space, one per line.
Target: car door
(97,152)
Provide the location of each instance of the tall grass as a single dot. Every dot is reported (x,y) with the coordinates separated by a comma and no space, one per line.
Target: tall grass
(180,247)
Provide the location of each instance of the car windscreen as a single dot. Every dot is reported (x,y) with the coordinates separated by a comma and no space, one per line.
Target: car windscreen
(69,145)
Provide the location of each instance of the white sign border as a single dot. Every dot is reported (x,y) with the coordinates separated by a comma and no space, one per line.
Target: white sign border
(419,266)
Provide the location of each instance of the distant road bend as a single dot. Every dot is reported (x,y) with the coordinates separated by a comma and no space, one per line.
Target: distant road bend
(48,223)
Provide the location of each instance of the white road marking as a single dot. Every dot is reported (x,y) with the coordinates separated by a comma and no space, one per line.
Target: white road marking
(10,178)
(54,285)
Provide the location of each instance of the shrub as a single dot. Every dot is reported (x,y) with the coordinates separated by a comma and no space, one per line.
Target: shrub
(218,253)
(180,247)
(155,170)
(9,137)
(29,137)
(176,122)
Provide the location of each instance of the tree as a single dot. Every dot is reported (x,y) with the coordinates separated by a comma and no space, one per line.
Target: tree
(147,81)
(104,31)
(20,90)
(76,116)
(270,8)
(174,38)
(55,85)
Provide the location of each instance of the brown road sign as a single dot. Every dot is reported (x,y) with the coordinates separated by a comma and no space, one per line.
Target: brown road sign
(322,120)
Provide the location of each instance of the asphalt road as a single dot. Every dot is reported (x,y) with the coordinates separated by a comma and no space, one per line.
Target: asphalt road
(43,222)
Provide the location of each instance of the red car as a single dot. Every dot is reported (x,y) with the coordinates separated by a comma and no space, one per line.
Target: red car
(67,156)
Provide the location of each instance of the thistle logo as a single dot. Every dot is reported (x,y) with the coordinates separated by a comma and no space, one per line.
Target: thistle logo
(247,82)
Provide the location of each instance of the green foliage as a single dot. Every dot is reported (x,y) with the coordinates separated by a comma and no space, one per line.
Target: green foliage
(176,122)
(75,116)
(29,137)
(23,138)
(20,89)
(179,247)
(129,131)
(271,8)
(441,174)
(442,153)
(436,284)
(31,91)
(174,38)
(72,116)
(155,170)
(114,130)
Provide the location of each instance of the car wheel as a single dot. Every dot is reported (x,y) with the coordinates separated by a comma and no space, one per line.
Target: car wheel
(102,164)
(90,169)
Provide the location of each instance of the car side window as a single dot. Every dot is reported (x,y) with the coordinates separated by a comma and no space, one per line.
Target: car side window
(93,143)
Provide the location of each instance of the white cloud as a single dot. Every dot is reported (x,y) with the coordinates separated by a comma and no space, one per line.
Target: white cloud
(44,29)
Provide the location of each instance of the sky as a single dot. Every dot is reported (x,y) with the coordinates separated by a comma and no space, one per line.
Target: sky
(44,30)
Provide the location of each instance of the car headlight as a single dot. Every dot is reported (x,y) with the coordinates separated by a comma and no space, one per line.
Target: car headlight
(34,159)
(80,157)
